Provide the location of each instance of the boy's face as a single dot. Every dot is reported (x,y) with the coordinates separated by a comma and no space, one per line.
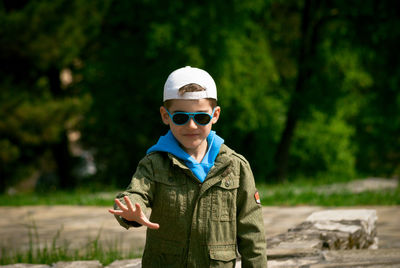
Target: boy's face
(191,136)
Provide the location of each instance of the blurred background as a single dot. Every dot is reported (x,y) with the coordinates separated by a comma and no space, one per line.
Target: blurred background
(309,89)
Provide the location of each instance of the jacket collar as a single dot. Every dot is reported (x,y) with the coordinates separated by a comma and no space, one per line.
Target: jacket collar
(222,162)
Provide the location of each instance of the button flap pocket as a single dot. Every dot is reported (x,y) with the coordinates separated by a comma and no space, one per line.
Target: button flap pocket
(229,183)
(171,179)
(223,254)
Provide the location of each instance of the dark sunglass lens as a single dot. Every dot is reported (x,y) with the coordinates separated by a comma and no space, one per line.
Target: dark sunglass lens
(202,119)
(180,119)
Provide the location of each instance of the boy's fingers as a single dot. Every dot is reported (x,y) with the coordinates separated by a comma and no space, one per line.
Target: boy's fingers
(121,206)
(115,212)
(138,208)
(145,220)
(128,203)
(151,225)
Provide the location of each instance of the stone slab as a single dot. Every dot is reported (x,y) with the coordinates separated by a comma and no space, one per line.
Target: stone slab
(131,263)
(367,217)
(78,264)
(279,253)
(300,262)
(362,255)
(25,265)
(335,229)
(359,264)
(308,244)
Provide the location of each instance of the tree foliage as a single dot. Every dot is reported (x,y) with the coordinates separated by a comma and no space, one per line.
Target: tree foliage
(40,39)
(307,88)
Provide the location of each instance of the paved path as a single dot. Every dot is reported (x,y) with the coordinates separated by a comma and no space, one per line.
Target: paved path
(80,224)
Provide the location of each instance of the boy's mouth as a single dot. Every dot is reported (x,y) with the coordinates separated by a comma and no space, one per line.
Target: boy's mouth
(190,135)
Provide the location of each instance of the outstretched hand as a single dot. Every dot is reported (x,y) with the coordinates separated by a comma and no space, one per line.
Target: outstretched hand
(130,213)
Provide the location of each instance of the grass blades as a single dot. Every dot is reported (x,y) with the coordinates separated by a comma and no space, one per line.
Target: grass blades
(81,197)
(318,192)
(295,194)
(49,252)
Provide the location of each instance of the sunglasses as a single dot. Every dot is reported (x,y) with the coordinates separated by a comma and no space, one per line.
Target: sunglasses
(181,118)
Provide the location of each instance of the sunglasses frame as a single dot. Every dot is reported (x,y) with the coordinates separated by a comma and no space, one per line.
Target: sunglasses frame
(190,115)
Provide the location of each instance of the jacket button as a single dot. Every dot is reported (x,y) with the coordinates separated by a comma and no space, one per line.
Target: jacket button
(227,183)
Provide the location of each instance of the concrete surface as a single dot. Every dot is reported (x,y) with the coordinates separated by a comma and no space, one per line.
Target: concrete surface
(80,224)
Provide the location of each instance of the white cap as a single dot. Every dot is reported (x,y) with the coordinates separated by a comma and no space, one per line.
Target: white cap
(188,75)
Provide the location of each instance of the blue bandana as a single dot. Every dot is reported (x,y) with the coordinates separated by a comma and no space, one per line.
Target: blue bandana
(169,144)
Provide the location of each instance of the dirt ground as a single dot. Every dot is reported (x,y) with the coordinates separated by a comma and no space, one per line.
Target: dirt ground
(77,225)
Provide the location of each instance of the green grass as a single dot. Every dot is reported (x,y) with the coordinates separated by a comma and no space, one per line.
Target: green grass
(299,192)
(295,194)
(57,250)
(81,197)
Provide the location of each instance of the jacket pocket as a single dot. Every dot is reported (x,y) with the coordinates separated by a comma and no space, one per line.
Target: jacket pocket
(171,196)
(224,199)
(170,206)
(224,256)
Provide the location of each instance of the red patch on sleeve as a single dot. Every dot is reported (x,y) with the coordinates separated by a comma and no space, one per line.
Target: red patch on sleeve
(257,198)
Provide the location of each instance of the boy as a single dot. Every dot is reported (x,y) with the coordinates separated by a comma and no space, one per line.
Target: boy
(205,206)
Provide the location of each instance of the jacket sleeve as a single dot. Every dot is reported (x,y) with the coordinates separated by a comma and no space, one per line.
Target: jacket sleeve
(250,224)
(140,190)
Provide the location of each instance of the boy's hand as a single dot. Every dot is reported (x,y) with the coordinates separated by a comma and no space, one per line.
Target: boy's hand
(133,214)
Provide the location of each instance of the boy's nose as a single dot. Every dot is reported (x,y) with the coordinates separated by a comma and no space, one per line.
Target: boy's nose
(191,123)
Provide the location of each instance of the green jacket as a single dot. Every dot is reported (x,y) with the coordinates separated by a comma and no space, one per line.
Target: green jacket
(201,224)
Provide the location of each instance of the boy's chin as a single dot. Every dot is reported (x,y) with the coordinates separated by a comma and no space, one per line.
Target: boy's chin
(190,146)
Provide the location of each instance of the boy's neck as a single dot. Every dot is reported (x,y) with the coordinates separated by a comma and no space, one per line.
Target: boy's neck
(199,152)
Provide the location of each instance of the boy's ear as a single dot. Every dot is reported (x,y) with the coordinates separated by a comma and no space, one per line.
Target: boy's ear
(164,115)
(217,113)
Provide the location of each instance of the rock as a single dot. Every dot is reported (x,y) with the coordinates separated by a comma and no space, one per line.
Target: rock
(292,263)
(25,265)
(346,228)
(365,255)
(299,237)
(238,263)
(367,217)
(284,253)
(331,229)
(78,264)
(360,258)
(137,263)
(132,263)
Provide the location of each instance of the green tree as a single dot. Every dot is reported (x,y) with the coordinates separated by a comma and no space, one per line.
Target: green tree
(306,24)
(325,62)
(376,36)
(133,58)
(39,40)
(306,87)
